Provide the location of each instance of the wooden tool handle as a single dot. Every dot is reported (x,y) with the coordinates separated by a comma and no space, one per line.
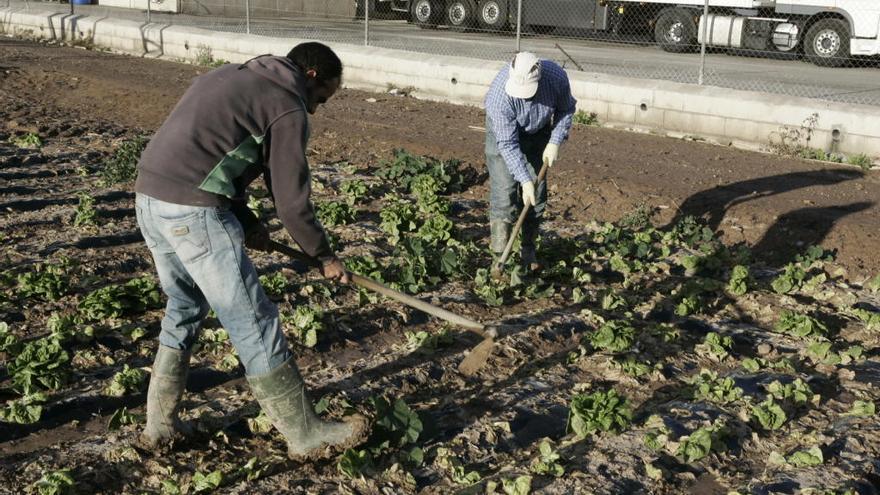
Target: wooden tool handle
(413,302)
(519,222)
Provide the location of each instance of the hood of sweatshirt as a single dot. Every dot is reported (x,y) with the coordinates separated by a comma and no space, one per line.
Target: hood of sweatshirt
(281,71)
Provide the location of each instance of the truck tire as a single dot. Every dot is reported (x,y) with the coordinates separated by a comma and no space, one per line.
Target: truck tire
(827,43)
(426,14)
(460,15)
(675,30)
(492,15)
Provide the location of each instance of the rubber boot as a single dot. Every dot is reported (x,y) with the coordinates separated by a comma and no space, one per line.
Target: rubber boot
(167,383)
(282,395)
(499,234)
(528,254)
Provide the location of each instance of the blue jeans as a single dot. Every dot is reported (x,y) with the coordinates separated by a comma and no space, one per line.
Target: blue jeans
(505,193)
(201,260)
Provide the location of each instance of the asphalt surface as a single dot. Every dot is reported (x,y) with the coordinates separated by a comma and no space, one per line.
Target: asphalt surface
(594,52)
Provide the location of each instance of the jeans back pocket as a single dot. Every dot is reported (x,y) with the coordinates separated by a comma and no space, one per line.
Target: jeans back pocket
(187,234)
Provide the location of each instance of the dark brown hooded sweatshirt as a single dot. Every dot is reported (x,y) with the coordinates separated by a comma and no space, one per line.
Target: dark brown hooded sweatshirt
(232,125)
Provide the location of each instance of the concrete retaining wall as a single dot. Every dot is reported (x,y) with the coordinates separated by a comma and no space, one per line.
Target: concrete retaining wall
(738,117)
(155,5)
(334,9)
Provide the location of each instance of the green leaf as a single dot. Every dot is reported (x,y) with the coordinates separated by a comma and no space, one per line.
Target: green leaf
(613,336)
(25,410)
(170,487)
(806,458)
(599,411)
(707,386)
(122,417)
(41,364)
(260,424)
(738,283)
(695,447)
(126,381)
(55,483)
(751,365)
(396,425)
(416,456)
(522,485)
(769,414)
(547,461)
(791,280)
(715,346)
(206,482)
(862,408)
(252,469)
(800,325)
(462,476)
(332,213)
(354,463)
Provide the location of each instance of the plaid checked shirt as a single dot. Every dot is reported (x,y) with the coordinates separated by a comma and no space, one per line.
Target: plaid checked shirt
(552,104)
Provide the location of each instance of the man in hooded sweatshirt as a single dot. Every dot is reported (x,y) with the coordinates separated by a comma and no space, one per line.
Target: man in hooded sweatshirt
(232,125)
(529,109)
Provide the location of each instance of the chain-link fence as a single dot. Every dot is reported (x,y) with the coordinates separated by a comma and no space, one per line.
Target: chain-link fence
(799,48)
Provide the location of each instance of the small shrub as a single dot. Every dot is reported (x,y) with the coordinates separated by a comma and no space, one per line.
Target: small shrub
(331,213)
(205,57)
(85,211)
(29,140)
(582,117)
(122,166)
(861,160)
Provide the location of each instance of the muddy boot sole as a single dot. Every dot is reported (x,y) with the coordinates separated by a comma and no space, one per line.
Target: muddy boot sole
(361,429)
(164,444)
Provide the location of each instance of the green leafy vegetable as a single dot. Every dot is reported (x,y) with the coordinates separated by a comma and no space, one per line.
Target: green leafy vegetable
(598,411)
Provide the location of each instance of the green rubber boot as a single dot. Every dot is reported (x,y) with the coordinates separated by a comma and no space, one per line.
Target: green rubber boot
(499,231)
(167,383)
(282,395)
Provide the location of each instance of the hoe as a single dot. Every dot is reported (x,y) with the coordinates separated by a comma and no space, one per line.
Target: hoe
(475,359)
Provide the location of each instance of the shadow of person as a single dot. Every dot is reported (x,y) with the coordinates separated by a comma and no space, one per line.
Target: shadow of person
(796,230)
(712,204)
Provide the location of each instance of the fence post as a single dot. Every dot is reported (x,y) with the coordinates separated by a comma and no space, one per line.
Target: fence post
(149,13)
(247,16)
(518,25)
(703,44)
(72,10)
(366,22)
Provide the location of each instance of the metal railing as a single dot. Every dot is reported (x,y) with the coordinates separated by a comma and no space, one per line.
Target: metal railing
(704,43)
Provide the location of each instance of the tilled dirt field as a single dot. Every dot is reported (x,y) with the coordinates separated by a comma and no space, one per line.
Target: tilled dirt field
(785,404)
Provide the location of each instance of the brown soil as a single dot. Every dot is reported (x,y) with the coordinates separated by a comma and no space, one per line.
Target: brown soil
(83,102)
(778,205)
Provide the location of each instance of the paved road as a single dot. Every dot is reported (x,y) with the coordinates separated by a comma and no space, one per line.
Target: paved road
(633,59)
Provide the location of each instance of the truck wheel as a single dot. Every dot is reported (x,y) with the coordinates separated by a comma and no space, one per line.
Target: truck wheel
(827,43)
(426,13)
(492,15)
(675,30)
(459,15)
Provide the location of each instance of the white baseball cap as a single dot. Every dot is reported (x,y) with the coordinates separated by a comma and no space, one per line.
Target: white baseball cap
(524,74)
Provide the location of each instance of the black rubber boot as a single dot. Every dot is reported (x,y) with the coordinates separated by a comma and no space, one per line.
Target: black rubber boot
(167,382)
(528,253)
(282,395)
